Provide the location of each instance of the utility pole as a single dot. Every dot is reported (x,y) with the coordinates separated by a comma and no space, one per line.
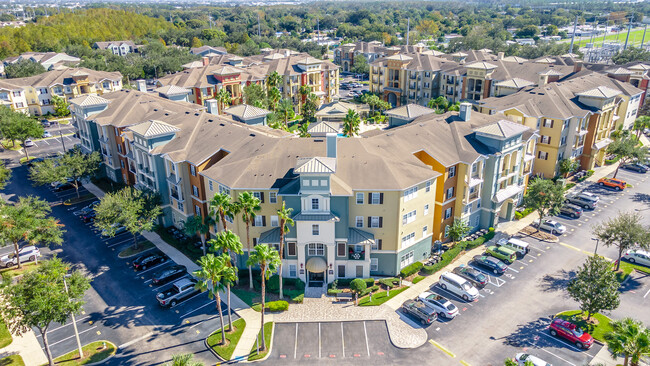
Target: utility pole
(643,39)
(259,32)
(74,321)
(606,25)
(573,36)
(627,38)
(408,30)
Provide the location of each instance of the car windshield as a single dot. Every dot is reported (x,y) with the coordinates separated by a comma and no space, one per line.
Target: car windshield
(480,277)
(450,306)
(578,332)
(501,265)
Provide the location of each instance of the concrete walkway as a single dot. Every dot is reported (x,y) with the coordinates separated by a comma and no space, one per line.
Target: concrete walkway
(27,347)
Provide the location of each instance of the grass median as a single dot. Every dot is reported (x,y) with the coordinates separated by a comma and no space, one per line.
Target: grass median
(93,352)
(13,360)
(380,297)
(132,250)
(597,327)
(268,332)
(81,198)
(232,338)
(627,268)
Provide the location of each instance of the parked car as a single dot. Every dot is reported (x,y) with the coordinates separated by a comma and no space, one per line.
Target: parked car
(458,285)
(637,256)
(571,210)
(46,123)
(519,246)
(87,209)
(637,167)
(28,253)
(118,230)
(439,304)
(28,143)
(571,332)
(149,260)
(505,254)
(88,217)
(177,292)
(551,226)
(490,263)
(168,274)
(477,278)
(617,184)
(63,187)
(47,134)
(420,311)
(585,200)
(522,358)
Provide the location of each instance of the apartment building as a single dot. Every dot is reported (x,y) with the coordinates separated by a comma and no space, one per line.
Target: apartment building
(49,60)
(345,54)
(574,117)
(119,48)
(33,94)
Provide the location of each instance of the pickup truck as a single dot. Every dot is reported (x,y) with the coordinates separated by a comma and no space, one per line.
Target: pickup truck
(177,292)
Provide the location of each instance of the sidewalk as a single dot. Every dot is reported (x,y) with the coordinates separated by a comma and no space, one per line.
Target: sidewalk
(27,347)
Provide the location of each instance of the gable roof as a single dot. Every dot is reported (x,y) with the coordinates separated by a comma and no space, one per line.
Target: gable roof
(172,90)
(515,83)
(89,99)
(599,92)
(410,111)
(502,129)
(153,128)
(322,127)
(245,111)
(315,165)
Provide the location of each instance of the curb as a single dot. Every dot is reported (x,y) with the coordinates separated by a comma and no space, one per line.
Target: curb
(205,342)
(268,353)
(107,358)
(133,255)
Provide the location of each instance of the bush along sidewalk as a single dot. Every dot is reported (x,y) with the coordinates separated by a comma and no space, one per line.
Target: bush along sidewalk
(451,254)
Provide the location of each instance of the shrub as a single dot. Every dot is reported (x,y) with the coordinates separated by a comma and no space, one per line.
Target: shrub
(489,235)
(569,185)
(447,257)
(410,269)
(374,288)
(298,299)
(333,291)
(279,305)
(612,160)
(369,281)
(358,285)
(490,230)
(389,282)
(273,284)
(299,285)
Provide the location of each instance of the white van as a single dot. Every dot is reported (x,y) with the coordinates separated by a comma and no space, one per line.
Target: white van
(521,247)
(458,286)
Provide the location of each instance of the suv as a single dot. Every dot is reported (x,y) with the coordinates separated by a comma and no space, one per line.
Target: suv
(474,276)
(617,184)
(503,253)
(573,211)
(636,166)
(569,331)
(490,263)
(585,200)
(29,253)
(418,309)
(439,304)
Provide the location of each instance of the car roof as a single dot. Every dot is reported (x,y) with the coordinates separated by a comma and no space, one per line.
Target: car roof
(27,248)
(184,281)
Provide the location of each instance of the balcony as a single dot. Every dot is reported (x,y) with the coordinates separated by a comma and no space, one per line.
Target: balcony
(528,157)
(355,255)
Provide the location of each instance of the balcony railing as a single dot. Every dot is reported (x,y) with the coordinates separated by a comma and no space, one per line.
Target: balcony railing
(356,256)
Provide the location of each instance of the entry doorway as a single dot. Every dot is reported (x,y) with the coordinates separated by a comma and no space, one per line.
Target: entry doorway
(316,279)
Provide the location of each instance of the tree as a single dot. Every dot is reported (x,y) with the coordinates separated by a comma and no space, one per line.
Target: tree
(23,69)
(196,42)
(641,124)
(28,221)
(184,360)
(224,98)
(221,207)
(627,150)
(73,166)
(630,338)
(304,91)
(358,285)
(458,230)
(210,279)
(273,80)
(284,214)
(544,196)
(19,126)
(309,108)
(227,242)
(528,31)
(5,175)
(249,205)
(567,166)
(273,96)
(40,298)
(440,104)
(198,225)
(595,286)
(303,129)
(625,231)
(268,260)
(351,123)
(360,65)
(285,109)
(510,362)
(61,106)
(631,54)
(254,95)
(136,210)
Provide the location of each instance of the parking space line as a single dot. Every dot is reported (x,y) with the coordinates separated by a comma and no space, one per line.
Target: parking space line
(295,348)
(522,262)
(458,298)
(125,241)
(464,363)
(512,269)
(154,289)
(365,331)
(564,343)
(200,307)
(72,336)
(124,345)
(147,270)
(342,340)
(319,341)
(443,349)
(63,326)
(553,354)
(646,294)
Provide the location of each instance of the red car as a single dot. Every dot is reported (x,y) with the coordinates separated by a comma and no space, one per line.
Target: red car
(571,332)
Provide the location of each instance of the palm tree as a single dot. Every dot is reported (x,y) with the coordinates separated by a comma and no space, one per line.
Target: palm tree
(274,96)
(184,360)
(641,124)
(285,109)
(198,225)
(249,205)
(221,206)
(210,278)
(228,242)
(273,80)
(631,338)
(304,91)
(284,214)
(268,260)
(303,130)
(351,123)
(224,98)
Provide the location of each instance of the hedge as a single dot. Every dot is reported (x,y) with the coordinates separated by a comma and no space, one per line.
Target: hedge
(279,305)
(369,290)
(345,282)
(447,257)
(612,161)
(411,269)
(273,284)
(391,281)
(524,213)
(369,281)
(333,291)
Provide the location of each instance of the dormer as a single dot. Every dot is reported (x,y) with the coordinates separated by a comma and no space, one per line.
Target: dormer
(309,64)
(153,133)
(600,97)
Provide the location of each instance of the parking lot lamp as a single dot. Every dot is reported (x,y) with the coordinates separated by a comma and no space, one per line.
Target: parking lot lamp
(74,321)
(595,250)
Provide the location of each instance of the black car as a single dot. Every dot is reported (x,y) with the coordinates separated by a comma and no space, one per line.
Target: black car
(477,278)
(148,260)
(573,211)
(420,311)
(88,209)
(63,187)
(492,264)
(637,167)
(88,217)
(168,274)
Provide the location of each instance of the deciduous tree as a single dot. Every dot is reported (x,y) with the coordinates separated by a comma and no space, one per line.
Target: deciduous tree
(74,166)
(458,229)
(624,231)
(627,149)
(595,286)
(5,175)
(19,126)
(544,196)
(23,69)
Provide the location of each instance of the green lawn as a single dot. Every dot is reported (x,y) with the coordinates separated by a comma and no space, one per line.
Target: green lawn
(10,146)
(13,360)
(380,297)
(635,38)
(188,248)
(93,352)
(250,297)
(131,251)
(15,271)
(225,351)
(5,336)
(597,331)
(268,332)
(626,268)
(418,279)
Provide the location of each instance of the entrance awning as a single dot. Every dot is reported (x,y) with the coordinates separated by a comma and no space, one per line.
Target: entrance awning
(316,265)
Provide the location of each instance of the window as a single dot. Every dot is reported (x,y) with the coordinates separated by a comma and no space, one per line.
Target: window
(121,163)
(408,240)
(450,193)
(259,195)
(16,94)
(274,221)
(273,197)
(315,249)
(427,187)
(197,210)
(375,221)
(180,206)
(448,213)
(446,231)
(374,264)
(305,182)
(425,231)
(340,249)
(452,172)
(548,123)
(195,191)
(408,217)
(314,204)
(426,210)
(543,155)
(406,259)
(341,271)
(223,189)
(375,244)
(259,221)
(545,139)
(314,183)
(410,193)
(193,170)
(315,229)
(375,198)
(323,183)
(359,198)
(563,140)
(292,270)
(358,221)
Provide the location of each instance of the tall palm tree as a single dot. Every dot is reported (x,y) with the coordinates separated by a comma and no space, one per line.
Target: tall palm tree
(285,109)
(284,214)
(198,225)
(273,80)
(268,260)
(220,207)
(630,338)
(210,279)
(224,98)
(274,97)
(351,123)
(303,129)
(228,242)
(641,124)
(249,205)
(304,91)
(184,360)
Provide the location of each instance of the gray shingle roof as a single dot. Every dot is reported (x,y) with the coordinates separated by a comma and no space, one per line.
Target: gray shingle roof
(410,111)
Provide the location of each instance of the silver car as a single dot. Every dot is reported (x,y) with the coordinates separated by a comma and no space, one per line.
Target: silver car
(551,226)
(637,256)
(29,253)
(441,305)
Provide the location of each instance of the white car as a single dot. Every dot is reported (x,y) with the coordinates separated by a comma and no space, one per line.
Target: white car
(29,143)
(522,358)
(29,253)
(47,134)
(551,226)
(637,256)
(442,306)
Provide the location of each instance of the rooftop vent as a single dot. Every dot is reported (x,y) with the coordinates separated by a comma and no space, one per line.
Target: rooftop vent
(155,109)
(252,135)
(196,114)
(166,114)
(187,112)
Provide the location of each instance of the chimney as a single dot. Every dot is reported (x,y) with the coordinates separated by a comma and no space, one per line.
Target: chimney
(543,80)
(331,145)
(577,66)
(500,55)
(206,60)
(142,85)
(213,106)
(287,53)
(465,111)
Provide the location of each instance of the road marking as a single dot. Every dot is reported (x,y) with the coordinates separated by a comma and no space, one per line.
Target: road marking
(125,241)
(151,268)
(342,340)
(443,349)
(565,343)
(512,269)
(65,325)
(295,348)
(582,251)
(553,354)
(365,331)
(200,307)
(522,263)
(124,345)
(646,294)
(72,336)
(464,363)
(319,342)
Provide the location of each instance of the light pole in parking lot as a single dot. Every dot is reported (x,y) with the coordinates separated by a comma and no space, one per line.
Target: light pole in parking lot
(62,142)
(74,321)
(596,239)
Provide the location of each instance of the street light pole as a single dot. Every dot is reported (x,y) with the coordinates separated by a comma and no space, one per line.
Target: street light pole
(597,240)
(61,136)
(74,321)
